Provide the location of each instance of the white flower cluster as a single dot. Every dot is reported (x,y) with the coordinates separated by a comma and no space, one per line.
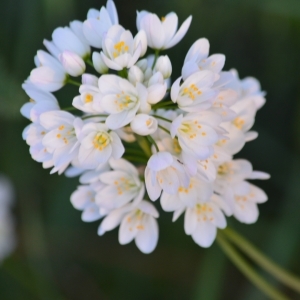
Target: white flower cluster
(193,127)
(7,226)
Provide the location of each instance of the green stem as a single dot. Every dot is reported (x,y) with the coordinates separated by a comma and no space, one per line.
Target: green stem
(89,62)
(123,73)
(71,81)
(164,129)
(162,118)
(144,144)
(151,140)
(279,273)
(155,58)
(162,104)
(71,108)
(135,159)
(135,152)
(248,271)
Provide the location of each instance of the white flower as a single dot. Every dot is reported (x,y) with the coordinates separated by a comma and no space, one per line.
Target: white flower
(72,63)
(195,93)
(245,111)
(40,101)
(245,199)
(121,100)
(34,134)
(219,107)
(137,222)
(249,88)
(61,138)
(122,185)
(196,133)
(99,22)
(235,140)
(49,75)
(230,173)
(161,34)
(87,98)
(202,221)
(198,191)
(197,59)
(84,199)
(98,145)
(143,124)
(120,49)
(66,40)
(164,172)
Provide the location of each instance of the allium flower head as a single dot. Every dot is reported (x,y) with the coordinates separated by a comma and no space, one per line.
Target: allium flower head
(136,136)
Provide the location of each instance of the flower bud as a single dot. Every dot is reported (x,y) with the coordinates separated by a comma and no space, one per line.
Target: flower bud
(144,124)
(99,64)
(72,63)
(135,75)
(89,79)
(163,65)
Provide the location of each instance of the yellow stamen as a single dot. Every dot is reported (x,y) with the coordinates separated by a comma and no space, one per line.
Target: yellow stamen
(88,98)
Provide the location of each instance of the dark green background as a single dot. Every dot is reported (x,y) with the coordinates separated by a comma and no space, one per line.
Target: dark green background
(60,257)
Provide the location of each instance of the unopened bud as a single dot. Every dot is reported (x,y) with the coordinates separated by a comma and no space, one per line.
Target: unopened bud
(164,66)
(135,75)
(99,64)
(72,63)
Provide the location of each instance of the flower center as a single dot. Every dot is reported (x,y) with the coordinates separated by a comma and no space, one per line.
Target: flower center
(203,212)
(182,189)
(223,169)
(88,98)
(148,122)
(120,48)
(125,101)
(124,184)
(192,91)
(101,140)
(65,133)
(192,129)
(239,122)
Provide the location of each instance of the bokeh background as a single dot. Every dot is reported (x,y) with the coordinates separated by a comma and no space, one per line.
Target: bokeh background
(60,257)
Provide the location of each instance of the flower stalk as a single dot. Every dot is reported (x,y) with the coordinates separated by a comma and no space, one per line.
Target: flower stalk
(247,270)
(262,260)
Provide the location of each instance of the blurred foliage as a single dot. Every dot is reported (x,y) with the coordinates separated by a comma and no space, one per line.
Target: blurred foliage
(11,96)
(60,257)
